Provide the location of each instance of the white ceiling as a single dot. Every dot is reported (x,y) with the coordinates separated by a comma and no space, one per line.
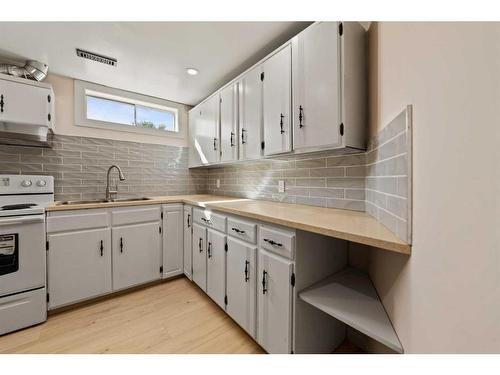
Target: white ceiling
(152,56)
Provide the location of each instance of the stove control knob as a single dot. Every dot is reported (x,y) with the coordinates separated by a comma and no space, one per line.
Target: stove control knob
(41,183)
(26,183)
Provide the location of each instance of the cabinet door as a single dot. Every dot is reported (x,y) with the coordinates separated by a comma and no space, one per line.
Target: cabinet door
(188,242)
(316,88)
(241,283)
(194,152)
(250,114)
(25,104)
(207,131)
(199,256)
(136,254)
(79,265)
(276,102)
(229,123)
(216,266)
(275,303)
(173,240)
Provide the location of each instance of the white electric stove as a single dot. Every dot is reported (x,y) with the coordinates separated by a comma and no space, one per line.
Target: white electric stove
(22,250)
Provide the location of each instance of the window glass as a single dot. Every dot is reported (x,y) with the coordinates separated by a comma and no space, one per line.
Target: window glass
(101,109)
(147,117)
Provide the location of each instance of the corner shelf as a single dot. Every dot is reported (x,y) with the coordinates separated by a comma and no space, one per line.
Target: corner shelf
(350,297)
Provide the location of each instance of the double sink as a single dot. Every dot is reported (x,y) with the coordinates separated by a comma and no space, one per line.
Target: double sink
(91,201)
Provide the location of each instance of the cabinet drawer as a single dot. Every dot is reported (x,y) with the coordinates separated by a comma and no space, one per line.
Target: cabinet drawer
(128,215)
(76,220)
(210,219)
(278,241)
(244,230)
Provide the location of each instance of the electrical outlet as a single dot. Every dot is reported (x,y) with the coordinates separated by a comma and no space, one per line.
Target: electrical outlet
(218,183)
(281,186)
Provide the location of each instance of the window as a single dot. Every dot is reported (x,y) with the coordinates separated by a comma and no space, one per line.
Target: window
(107,108)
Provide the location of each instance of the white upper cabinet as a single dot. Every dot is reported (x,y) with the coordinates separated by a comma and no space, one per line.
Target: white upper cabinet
(329,87)
(316,90)
(276,102)
(206,131)
(309,95)
(194,152)
(25,103)
(229,123)
(250,114)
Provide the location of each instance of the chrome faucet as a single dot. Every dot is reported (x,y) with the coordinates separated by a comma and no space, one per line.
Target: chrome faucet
(111,193)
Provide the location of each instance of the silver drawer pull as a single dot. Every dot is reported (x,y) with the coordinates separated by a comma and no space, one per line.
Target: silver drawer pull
(273,243)
(239,231)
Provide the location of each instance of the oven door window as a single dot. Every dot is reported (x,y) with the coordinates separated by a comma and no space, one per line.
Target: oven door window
(9,253)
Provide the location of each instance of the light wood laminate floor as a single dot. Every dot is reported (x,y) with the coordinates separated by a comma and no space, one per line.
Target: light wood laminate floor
(171,317)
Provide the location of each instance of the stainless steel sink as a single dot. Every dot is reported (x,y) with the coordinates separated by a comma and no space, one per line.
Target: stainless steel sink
(69,203)
(92,201)
(130,199)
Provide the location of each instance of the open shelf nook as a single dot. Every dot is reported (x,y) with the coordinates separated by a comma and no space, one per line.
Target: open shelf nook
(350,297)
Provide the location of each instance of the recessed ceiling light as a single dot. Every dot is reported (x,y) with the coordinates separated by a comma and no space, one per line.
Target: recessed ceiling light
(192,71)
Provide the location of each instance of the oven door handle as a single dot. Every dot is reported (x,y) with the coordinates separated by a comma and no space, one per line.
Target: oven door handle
(21,220)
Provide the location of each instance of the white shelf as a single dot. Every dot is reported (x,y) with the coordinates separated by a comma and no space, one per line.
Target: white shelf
(350,297)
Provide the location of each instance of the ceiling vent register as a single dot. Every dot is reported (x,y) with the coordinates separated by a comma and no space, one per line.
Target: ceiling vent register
(96,57)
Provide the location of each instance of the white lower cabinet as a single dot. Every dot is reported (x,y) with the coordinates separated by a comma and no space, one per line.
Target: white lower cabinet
(188,241)
(199,256)
(136,254)
(173,240)
(79,265)
(216,266)
(274,323)
(241,260)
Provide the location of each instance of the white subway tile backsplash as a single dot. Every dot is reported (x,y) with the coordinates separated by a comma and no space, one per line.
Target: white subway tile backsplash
(79,166)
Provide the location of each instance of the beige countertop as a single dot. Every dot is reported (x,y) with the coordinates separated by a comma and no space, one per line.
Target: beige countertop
(348,225)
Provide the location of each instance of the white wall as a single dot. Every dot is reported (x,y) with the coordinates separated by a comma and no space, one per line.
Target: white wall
(65,119)
(446,296)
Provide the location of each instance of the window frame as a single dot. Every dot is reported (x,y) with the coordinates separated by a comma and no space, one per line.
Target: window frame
(83,89)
